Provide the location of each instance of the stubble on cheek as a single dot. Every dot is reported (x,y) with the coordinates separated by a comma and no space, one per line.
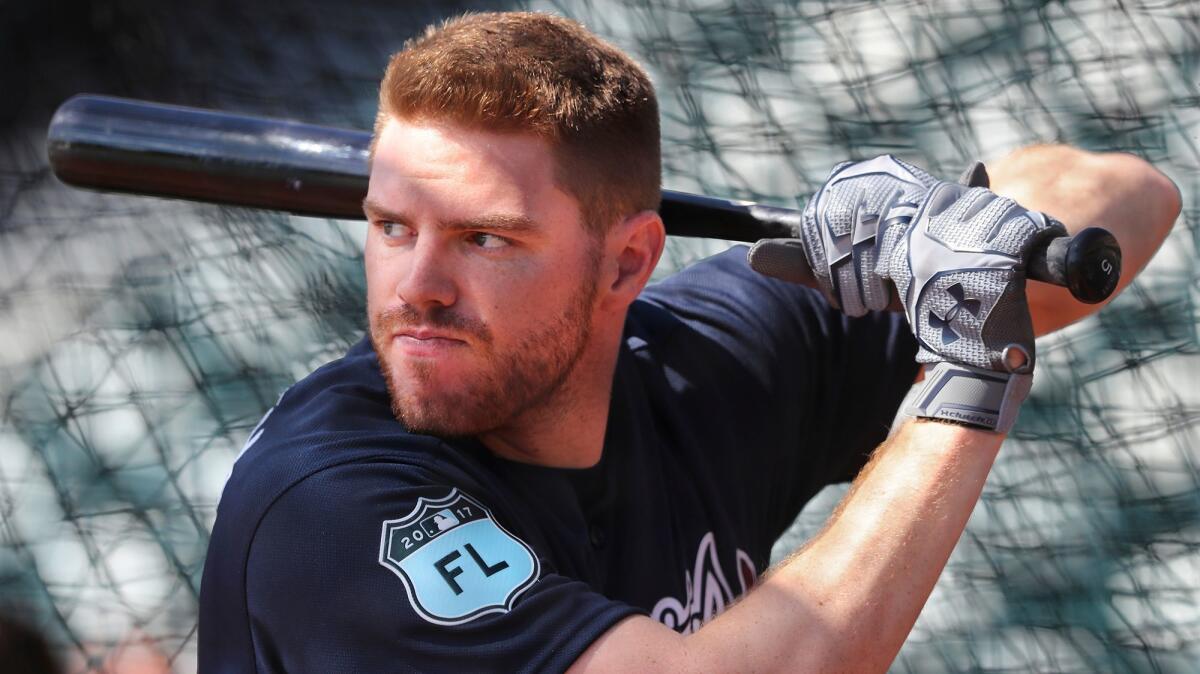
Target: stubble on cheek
(496,385)
(417,399)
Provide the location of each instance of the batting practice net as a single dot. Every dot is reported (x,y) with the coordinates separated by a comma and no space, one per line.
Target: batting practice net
(143,338)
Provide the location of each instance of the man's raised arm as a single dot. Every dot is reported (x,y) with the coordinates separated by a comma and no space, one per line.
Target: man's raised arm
(848,599)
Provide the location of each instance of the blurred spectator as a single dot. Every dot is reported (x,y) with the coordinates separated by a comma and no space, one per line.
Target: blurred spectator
(23,650)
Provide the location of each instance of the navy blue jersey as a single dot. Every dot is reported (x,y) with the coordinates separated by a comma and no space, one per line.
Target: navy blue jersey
(344,543)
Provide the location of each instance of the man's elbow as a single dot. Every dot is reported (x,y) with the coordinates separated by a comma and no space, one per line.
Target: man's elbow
(1168,195)
(1158,198)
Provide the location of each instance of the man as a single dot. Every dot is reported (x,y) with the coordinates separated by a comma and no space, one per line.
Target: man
(537,463)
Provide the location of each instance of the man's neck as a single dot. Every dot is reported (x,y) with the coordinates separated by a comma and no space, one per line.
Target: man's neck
(567,431)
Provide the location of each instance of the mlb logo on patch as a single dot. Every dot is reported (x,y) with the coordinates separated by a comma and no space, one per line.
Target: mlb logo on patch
(456,562)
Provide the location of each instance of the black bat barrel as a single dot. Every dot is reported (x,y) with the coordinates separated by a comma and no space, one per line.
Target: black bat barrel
(173,151)
(124,145)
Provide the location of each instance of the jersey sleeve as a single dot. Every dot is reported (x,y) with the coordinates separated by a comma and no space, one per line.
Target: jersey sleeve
(375,566)
(810,391)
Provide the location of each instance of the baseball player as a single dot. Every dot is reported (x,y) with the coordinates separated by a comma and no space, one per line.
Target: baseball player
(535,462)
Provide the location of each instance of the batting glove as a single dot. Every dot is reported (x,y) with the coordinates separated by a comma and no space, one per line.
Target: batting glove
(954,255)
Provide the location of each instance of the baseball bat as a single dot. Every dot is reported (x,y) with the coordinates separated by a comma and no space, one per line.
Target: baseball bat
(123,145)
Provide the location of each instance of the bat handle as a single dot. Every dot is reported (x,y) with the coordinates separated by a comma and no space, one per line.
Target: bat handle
(1088,263)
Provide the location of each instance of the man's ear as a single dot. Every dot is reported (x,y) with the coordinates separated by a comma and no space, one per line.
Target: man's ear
(632,249)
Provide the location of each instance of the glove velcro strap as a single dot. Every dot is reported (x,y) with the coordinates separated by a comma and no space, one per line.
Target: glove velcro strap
(982,398)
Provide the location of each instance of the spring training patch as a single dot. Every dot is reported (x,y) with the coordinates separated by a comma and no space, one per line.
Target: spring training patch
(457,563)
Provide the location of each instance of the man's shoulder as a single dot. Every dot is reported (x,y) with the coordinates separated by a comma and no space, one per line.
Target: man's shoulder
(348,393)
(327,473)
(723,292)
(337,416)
(720,302)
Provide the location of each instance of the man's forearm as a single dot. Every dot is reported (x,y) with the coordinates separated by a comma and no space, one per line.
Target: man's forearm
(847,600)
(852,594)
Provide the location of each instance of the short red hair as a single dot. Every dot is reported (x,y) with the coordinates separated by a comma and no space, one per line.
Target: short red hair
(534,73)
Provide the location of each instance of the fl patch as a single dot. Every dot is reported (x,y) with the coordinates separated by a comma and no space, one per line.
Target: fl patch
(456,562)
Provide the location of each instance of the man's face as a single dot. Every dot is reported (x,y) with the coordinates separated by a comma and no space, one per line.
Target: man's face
(480,276)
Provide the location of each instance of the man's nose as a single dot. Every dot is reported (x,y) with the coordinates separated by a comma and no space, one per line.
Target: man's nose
(428,279)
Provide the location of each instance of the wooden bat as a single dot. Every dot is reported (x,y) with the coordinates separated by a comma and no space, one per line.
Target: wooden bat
(123,145)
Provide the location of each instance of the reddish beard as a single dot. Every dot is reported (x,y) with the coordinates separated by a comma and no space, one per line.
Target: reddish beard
(507,385)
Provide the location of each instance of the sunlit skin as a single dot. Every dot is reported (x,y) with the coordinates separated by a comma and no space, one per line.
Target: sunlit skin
(493,310)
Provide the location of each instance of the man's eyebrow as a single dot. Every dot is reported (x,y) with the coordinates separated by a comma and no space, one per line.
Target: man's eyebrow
(499,221)
(371,207)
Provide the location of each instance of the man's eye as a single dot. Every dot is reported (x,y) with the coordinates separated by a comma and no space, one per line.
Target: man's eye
(395,230)
(485,240)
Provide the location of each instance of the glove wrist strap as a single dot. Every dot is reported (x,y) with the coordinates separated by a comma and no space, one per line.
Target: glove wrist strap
(981,398)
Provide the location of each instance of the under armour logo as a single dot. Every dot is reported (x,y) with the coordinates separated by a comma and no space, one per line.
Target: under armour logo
(949,336)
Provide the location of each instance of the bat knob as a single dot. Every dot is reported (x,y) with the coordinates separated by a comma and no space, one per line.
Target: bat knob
(1093,265)
(1088,264)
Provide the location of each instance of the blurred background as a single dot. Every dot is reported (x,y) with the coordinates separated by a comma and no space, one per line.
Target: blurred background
(141,339)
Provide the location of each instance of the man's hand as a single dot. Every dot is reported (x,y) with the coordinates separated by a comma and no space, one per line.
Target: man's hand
(846,224)
(954,255)
(959,269)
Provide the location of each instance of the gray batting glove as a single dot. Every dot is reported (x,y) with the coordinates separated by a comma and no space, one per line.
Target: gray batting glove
(845,229)
(955,256)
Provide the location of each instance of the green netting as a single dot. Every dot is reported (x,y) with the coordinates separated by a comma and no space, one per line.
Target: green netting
(141,339)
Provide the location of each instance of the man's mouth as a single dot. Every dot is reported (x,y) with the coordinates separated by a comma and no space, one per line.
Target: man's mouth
(425,342)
